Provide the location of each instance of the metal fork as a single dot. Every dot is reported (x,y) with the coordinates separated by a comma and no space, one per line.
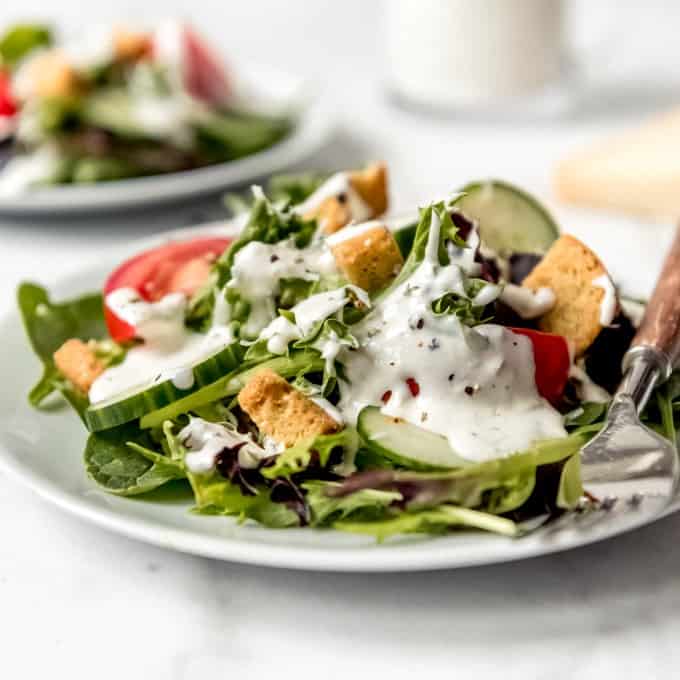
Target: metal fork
(628,468)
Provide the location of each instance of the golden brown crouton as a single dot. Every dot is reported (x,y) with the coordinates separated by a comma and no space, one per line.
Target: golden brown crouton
(78,363)
(367,255)
(51,75)
(334,212)
(282,412)
(371,185)
(572,271)
(129,45)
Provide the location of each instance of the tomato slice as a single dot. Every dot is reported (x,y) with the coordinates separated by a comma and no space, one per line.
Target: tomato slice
(178,266)
(8,106)
(552,360)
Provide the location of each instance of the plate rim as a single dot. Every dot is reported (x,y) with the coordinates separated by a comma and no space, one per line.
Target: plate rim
(420,554)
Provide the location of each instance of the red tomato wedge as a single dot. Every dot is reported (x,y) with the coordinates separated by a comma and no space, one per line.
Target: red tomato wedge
(8,106)
(553,361)
(202,70)
(204,74)
(179,266)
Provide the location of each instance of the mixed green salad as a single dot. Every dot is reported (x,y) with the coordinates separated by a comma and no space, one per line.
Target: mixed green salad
(119,102)
(324,369)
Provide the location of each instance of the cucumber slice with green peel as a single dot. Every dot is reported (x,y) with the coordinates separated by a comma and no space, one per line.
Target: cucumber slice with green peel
(304,361)
(510,220)
(137,401)
(406,444)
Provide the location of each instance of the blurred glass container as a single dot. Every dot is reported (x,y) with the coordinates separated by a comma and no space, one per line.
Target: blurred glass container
(494,57)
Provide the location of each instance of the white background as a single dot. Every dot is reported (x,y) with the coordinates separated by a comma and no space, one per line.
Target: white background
(81,603)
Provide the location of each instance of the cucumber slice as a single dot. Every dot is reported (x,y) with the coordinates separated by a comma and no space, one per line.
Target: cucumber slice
(510,220)
(406,444)
(304,361)
(137,401)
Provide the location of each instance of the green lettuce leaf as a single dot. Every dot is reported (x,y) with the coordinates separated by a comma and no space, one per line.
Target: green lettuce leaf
(216,495)
(20,39)
(448,232)
(497,486)
(436,520)
(297,458)
(286,189)
(365,505)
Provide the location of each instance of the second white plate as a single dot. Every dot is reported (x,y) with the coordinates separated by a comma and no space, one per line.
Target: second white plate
(264,85)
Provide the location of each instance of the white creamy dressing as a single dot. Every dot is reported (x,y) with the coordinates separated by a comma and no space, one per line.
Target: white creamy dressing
(529,304)
(473,385)
(168,50)
(634,310)
(330,410)
(204,441)
(259,267)
(26,170)
(278,334)
(323,305)
(339,184)
(609,303)
(586,389)
(165,117)
(352,231)
(170,350)
(92,49)
(308,313)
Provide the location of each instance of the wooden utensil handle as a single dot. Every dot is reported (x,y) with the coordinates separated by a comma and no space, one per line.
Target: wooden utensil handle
(660,327)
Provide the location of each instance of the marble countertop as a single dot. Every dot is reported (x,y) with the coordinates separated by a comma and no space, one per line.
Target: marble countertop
(78,602)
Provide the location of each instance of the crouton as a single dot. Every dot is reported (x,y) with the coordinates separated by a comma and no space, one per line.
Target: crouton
(367,255)
(49,75)
(582,289)
(129,45)
(282,412)
(335,211)
(371,185)
(78,363)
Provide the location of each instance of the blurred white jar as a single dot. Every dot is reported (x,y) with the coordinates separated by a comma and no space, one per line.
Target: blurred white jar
(473,53)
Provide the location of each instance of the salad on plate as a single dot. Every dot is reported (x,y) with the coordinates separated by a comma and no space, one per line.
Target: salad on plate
(328,368)
(121,102)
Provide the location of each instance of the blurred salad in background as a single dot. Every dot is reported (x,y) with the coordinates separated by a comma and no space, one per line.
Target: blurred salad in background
(119,102)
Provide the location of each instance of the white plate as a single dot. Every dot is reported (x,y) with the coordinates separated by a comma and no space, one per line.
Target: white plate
(268,89)
(44,451)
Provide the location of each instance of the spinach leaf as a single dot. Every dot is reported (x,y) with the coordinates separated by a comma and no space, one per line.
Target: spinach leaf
(48,325)
(123,461)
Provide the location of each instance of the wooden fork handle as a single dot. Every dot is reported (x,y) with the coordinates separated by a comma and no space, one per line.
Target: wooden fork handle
(660,327)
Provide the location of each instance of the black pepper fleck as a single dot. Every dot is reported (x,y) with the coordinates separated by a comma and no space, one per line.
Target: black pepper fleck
(274,258)
(342,198)
(469,390)
(420,324)
(451,376)
(434,344)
